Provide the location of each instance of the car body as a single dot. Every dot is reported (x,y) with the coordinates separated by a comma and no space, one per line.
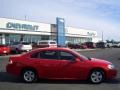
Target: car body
(4,49)
(59,63)
(101,45)
(20,47)
(116,45)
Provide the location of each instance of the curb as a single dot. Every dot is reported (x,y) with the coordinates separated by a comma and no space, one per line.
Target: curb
(84,49)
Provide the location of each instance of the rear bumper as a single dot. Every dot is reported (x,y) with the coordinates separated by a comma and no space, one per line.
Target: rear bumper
(26,49)
(12,69)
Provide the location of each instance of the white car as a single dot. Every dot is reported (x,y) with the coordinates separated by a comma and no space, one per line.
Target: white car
(47,43)
(19,47)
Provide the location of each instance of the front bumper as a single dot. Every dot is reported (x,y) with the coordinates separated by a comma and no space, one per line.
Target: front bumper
(110,74)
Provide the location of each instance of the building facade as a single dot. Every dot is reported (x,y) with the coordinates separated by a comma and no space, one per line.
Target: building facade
(12,30)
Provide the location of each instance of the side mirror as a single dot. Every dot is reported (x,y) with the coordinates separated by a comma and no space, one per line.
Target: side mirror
(77,59)
(89,58)
(72,61)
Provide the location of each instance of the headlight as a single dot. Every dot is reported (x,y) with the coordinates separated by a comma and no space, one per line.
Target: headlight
(111,66)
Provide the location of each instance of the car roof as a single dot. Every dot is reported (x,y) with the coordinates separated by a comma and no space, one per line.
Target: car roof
(52,48)
(47,41)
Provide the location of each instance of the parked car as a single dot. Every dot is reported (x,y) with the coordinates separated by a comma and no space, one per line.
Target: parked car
(73,46)
(83,46)
(59,63)
(90,44)
(46,43)
(101,45)
(77,46)
(116,45)
(109,45)
(19,47)
(4,49)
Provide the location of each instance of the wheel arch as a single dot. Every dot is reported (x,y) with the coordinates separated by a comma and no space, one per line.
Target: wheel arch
(28,68)
(97,68)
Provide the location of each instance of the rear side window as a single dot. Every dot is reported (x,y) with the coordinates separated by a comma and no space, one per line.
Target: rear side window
(48,54)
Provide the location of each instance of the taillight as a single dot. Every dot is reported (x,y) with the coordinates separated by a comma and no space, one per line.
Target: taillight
(10,62)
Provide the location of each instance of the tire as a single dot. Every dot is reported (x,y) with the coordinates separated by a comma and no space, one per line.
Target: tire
(29,76)
(97,76)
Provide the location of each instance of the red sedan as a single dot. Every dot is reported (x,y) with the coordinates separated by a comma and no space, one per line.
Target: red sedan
(4,49)
(59,63)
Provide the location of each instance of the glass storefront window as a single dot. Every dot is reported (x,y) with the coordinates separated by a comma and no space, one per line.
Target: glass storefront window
(78,39)
(9,38)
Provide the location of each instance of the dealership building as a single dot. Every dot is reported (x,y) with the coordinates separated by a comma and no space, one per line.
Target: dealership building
(12,30)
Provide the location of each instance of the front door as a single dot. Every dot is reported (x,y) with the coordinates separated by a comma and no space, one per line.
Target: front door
(70,68)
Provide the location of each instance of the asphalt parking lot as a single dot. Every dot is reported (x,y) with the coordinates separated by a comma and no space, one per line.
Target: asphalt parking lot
(8,82)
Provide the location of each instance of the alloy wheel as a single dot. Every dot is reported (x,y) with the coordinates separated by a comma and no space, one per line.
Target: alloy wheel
(96,76)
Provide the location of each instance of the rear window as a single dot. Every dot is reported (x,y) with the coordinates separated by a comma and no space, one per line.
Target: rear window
(25,43)
(43,42)
(15,43)
(45,55)
(52,42)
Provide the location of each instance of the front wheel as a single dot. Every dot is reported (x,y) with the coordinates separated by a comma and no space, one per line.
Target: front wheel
(29,76)
(96,76)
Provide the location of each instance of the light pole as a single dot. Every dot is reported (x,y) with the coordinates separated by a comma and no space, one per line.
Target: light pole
(102,37)
(25,17)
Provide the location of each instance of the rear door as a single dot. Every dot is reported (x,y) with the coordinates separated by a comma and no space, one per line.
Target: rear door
(46,63)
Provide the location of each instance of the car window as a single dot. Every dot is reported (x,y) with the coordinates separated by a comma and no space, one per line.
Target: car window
(82,56)
(25,43)
(43,42)
(15,43)
(48,54)
(66,56)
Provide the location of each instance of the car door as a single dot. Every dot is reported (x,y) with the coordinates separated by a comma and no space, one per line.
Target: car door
(69,67)
(47,63)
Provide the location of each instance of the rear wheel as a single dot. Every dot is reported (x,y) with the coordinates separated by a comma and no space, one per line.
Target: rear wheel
(29,76)
(96,76)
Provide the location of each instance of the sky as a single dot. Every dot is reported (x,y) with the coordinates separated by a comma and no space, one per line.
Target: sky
(102,16)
